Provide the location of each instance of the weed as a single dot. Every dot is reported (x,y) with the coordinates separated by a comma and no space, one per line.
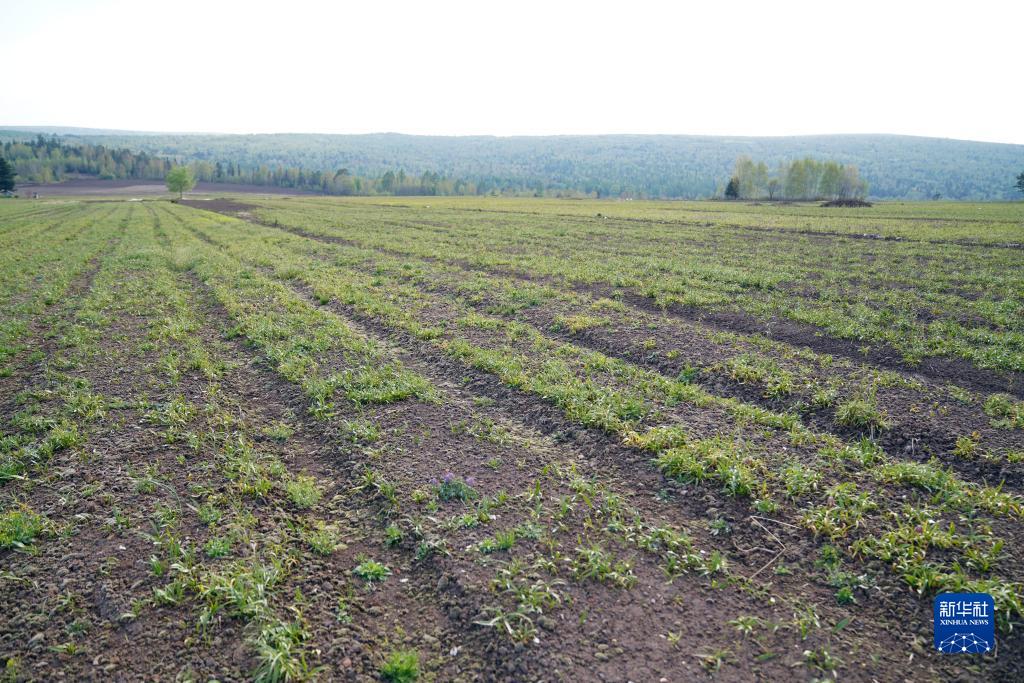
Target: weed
(209,513)
(451,487)
(823,660)
(401,666)
(713,661)
(218,546)
(392,535)
(279,431)
(578,323)
(596,563)
(324,539)
(19,527)
(799,480)
(716,458)
(861,412)
(966,446)
(371,571)
(746,624)
(280,653)
(303,491)
(1004,411)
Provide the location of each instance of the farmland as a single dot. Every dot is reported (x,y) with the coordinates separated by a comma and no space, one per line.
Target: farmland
(487,439)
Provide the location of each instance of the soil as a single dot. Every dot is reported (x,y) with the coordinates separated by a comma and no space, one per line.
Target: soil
(944,369)
(537,413)
(78,585)
(848,203)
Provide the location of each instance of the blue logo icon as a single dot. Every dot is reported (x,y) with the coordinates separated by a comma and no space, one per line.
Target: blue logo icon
(965,623)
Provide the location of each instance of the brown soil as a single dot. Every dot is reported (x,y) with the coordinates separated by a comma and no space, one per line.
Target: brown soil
(536,413)
(87,580)
(848,203)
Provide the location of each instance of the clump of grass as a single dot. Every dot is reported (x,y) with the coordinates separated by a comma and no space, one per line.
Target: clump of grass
(502,540)
(861,412)
(252,471)
(799,480)
(303,491)
(382,383)
(392,535)
(824,397)
(967,446)
(323,538)
(925,476)
(606,304)
(451,487)
(1006,413)
(280,653)
(371,571)
(596,563)
(960,394)
(218,546)
(240,589)
(87,405)
(401,666)
(209,513)
(579,322)
(360,431)
(19,527)
(63,436)
(657,439)
(751,369)
(177,412)
(279,431)
(716,458)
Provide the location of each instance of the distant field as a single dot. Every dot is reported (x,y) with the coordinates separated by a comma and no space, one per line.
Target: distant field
(497,439)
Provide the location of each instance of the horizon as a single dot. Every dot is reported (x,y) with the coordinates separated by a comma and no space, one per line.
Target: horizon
(45,128)
(456,69)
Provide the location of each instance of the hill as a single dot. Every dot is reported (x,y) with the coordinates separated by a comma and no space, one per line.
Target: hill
(895,166)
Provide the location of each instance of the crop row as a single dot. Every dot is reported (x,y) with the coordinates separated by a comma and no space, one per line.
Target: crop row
(747,462)
(921,299)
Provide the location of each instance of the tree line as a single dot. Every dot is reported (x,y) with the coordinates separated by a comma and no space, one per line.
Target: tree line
(639,166)
(48,160)
(800,179)
(633,166)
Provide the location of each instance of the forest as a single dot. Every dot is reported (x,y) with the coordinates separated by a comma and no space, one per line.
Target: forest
(806,179)
(634,166)
(51,160)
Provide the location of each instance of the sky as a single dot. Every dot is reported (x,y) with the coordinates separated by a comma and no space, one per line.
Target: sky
(943,69)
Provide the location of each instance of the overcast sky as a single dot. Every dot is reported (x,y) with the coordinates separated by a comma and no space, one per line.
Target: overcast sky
(947,69)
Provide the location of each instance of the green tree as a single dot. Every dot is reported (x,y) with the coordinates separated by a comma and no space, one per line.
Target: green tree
(732,190)
(180,180)
(1020,181)
(829,186)
(7,176)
